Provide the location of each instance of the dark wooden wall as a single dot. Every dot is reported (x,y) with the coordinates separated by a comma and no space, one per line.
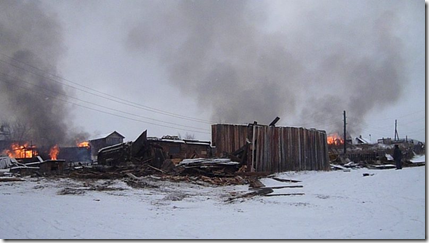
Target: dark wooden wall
(277,149)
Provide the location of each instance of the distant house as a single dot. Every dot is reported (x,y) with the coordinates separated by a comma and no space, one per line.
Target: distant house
(384,141)
(109,140)
(361,140)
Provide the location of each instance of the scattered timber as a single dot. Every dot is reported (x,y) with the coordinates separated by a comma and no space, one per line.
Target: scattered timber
(7,179)
(285,194)
(382,167)
(281,187)
(284,180)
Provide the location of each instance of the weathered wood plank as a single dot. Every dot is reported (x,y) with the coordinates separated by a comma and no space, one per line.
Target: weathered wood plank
(285,180)
(285,194)
(276,149)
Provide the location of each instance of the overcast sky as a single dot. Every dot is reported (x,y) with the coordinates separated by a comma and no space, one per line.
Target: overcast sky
(175,67)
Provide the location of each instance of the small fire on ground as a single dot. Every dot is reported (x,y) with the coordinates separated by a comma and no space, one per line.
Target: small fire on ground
(335,139)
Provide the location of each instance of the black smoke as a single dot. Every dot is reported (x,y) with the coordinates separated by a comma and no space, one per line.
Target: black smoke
(33,98)
(307,64)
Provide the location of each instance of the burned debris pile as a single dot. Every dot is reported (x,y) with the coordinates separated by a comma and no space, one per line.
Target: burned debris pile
(207,174)
(373,156)
(240,154)
(158,159)
(167,159)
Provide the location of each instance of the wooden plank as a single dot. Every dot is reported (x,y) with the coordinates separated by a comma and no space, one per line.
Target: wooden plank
(132,176)
(289,149)
(279,162)
(154,168)
(285,194)
(285,180)
(269,149)
(295,149)
(260,141)
(306,149)
(281,187)
(8,179)
(299,144)
(266,153)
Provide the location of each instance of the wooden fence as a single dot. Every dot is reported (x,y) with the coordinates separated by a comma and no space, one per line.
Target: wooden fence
(276,149)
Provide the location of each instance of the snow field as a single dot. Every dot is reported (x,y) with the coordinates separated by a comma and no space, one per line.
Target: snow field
(390,204)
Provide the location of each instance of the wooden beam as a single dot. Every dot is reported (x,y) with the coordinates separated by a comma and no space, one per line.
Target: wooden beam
(285,194)
(285,180)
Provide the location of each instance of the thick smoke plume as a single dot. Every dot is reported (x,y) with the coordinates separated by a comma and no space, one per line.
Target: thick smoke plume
(306,64)
(31,44)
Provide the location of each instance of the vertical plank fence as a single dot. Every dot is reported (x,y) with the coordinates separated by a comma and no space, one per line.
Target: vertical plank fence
(276,149)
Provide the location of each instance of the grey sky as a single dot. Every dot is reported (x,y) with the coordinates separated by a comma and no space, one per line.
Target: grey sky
(236,62)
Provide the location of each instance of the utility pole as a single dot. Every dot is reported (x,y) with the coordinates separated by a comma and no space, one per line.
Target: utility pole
(396,131)
(345,138)
(252,168)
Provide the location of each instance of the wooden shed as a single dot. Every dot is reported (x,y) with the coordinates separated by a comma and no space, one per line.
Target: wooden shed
(105,141)
(272,149)
(183,149)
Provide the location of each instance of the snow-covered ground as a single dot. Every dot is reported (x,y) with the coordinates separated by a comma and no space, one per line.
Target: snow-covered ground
(386,204)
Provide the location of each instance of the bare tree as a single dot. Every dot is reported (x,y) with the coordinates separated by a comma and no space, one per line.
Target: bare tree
(20,131)
(189,136)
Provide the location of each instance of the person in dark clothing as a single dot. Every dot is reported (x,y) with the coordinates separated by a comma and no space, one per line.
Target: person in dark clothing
(397,156)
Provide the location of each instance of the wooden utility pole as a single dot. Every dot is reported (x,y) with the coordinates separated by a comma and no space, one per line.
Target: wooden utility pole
(345,138)
(396,131)
(252,168)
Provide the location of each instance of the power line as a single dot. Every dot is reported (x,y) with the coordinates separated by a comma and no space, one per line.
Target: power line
(416,131)
(392,118)
(97,93)
(414,121)
(105,107)
(109,113)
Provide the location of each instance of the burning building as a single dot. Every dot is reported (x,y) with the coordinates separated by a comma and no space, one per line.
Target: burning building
(76,154)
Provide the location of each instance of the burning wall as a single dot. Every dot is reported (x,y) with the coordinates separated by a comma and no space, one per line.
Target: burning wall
(21,151)
(26,151)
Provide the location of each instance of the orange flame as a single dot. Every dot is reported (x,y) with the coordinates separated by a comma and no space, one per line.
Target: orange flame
(84,144)
(335,139)
(54,152)
(21,151)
